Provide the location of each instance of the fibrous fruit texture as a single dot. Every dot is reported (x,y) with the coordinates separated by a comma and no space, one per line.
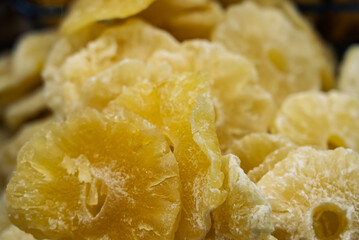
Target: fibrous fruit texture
(96,177)
(314,194)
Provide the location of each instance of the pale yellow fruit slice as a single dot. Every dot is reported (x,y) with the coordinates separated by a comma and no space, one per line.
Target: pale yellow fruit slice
(134,39)
(10,147)
(324,120)
(314,194)
(185,19)
(349,72)
(269,162)
(84,12)
(245,214)
(4,220)
(266,37)
(26,108)
(7,230)
(253,148)
(14,233)
(95,177)
(179,107)
(242,105)
(24,66)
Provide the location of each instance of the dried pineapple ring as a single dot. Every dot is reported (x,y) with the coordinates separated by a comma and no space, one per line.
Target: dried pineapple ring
(282,69)
(349,72)
(10,148)
(190,21)
(245,214)
(314,194)
(178,107)
(84,12)
(7,230)
(95,177)
(242,106)
(253,148)
(269,162)
(134,39)
(318,119)
(14,233)
(24,109)
(24,67)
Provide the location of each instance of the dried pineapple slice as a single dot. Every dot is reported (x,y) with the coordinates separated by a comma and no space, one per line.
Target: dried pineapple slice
(185,20)
(7,230)
(10,148)
(26,64)
(179,108)
(254,148)
(266,41)
(14,233)
(349,72)
(314,194)
(70,185)
(269,162)
(323,120)
(84,12)
(134,39)
(4,220)
(242,105)
(245,214)
(24,109)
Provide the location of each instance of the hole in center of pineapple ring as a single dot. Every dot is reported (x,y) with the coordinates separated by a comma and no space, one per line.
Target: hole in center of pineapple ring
(334,141)
(329,221)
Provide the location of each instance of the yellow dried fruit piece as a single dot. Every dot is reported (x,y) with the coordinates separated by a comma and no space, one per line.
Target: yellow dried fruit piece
(268,41)
(14,233)
(253,148)
(25,109)
(269,162)
(242,105)
(4,220)
(10,148)
(349,72)
(27,63)
(188,21)
(84,12)
(134,39)
(70,185)
(7,230)
(100,89)
(179,107)
(314,194)
(324,120)
(245,214)
(62,49)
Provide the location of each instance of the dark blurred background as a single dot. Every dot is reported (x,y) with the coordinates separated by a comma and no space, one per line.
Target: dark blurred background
(336,20)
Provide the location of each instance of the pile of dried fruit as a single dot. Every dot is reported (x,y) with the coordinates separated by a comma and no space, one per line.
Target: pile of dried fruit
(179,119)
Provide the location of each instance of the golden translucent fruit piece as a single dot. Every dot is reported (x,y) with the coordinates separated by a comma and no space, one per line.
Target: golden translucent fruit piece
(134,39)
(93,177)
(314,194)
(27,108)
(242,105)
(85,12)
(14,233)
(20,72)
(185,19)
(245,214)
(266,36)
(254,148)
(10,148)
(7,230)
(324,120)
(349,71)
(181,108)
